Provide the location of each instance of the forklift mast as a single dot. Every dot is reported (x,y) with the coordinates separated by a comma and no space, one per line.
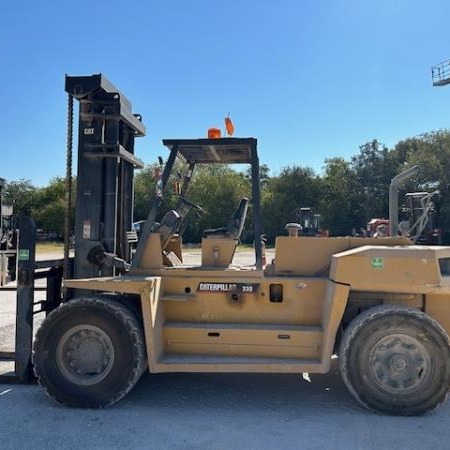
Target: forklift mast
(106,131)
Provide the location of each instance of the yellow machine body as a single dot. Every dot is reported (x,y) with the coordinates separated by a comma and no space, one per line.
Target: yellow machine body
(285,318)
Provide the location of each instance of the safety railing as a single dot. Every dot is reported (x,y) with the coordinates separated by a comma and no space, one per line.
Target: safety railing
(440,73)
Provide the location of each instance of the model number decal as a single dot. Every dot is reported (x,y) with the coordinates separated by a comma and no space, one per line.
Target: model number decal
(246,288)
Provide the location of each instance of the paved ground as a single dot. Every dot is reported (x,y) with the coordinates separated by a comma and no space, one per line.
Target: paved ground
(191,411)
(212,411)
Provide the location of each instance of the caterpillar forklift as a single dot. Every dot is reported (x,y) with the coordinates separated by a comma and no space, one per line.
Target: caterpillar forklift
(382,305)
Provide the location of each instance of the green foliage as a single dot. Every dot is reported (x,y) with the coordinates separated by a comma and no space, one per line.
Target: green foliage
(218,190)
(49,206)
(342,199)
(432,153)
(284,194)
(46,205)
(374,168)
(144,191)
(264,176)
(347,195)
(51,216)
(21,195)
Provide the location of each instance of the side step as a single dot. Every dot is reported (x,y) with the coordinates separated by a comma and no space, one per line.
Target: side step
(240,347)
(236,364)
(243,339)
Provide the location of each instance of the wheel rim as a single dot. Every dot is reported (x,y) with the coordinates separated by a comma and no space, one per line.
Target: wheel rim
(400,364)
(85,355)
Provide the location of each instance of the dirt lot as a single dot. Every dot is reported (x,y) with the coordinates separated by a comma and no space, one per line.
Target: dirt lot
(212,411)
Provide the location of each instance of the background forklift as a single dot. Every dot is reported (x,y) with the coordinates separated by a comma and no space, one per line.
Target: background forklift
(420,223)
(382,305)
(311,222)
(419,220)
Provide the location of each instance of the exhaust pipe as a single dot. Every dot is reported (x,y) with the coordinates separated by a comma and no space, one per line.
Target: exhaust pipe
(393,198)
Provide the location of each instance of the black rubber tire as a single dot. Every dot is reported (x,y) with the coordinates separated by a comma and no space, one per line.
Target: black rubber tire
(89,353)
(396,360)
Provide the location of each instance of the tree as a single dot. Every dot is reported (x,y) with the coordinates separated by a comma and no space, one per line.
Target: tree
(283,195)
(432,153)
(347,195)
(144,191)
(21,195)
(342,201)
(49,206)
(217,189)
(374,168)
(264,176)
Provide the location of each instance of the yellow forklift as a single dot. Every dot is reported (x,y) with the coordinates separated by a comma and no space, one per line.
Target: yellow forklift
(382,305)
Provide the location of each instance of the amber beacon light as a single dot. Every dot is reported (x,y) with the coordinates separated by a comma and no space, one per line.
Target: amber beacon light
(214,133)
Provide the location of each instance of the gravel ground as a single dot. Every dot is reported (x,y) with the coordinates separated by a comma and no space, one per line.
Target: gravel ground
(211,411)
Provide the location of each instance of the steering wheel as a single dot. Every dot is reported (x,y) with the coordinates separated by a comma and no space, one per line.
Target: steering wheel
(192,204)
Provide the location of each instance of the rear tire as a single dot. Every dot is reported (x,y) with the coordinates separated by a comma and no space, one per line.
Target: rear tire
(89,353)
(396,360)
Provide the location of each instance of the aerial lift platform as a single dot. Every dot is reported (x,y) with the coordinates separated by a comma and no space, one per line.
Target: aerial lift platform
(440,73)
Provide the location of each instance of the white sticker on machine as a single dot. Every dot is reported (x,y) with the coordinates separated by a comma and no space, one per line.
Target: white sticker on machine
(87,229)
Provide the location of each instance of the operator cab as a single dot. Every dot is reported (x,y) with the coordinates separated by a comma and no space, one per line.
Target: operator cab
(160,242)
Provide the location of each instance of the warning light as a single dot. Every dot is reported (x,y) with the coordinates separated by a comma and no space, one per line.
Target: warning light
(214,133)
(229,126)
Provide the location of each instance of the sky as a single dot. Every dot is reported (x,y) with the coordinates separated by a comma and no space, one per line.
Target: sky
(310,79)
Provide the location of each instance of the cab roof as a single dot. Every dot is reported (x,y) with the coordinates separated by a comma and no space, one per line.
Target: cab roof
(210,151)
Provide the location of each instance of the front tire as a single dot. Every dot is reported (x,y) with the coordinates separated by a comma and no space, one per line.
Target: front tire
(396,360)
(89,353)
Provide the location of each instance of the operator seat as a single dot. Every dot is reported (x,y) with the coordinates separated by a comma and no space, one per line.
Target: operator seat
(168,227)
(235,223)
